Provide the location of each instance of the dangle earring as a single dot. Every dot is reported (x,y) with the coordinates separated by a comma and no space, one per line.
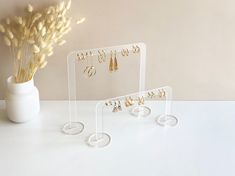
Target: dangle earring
(115,64)
(111,62)
(141,100)
(115,108)
(119,106)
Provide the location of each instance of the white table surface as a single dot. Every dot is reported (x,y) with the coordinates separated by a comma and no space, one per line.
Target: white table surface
(203,143)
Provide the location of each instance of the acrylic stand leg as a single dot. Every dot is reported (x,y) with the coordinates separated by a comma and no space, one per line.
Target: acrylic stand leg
(99,138)
(167,119)
(72,127)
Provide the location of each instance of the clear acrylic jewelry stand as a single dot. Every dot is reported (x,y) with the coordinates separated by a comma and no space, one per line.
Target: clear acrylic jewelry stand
(102,139)
(74,126)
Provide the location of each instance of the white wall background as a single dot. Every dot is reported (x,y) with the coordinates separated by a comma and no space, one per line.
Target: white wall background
(190,45)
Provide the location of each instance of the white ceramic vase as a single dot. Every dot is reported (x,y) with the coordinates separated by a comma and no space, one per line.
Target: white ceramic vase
(22,100)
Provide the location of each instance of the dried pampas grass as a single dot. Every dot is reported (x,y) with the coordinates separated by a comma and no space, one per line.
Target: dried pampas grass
(32,37)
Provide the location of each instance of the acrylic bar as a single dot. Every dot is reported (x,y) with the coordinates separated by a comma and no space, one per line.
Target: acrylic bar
(73,126)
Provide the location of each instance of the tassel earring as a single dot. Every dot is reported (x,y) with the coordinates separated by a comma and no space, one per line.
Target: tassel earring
(115,64)
(111,62)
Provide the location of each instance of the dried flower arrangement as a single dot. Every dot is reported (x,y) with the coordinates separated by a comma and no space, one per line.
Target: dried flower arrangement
(31,38)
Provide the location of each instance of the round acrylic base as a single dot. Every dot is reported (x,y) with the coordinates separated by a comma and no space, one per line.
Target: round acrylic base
(140,111)
(99,140)
(73,128)
(167,120)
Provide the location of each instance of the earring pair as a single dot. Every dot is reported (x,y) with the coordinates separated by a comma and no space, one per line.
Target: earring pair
(89,71)
(136,49)
(101,56)
(117,106)
(125,52)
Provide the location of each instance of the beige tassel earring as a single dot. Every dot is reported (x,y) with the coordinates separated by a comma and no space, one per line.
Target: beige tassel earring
(111,62)
(115,64)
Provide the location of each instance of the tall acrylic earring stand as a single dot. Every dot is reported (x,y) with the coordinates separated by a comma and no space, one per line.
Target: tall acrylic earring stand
(74,126)
(102,139)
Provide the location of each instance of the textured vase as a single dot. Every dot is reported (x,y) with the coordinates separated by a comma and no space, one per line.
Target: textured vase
(22,101)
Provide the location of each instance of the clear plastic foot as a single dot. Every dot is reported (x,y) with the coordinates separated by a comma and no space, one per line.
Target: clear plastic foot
(140,111)
(73,128)
(167,120)
(99,140)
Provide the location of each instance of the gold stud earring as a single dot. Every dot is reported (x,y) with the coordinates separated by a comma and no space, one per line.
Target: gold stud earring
(119,105)
(115,64)
(134,50)
(137,49)
(104,55)
(128,101)
(111,62)
(115,108)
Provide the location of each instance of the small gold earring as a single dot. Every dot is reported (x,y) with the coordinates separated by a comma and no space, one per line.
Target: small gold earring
(119,106)
(128,101)
(137,49)
(123,52)
(134,49)
(115,64)
(115,108)
(140,100)
(127,52)
(104,55)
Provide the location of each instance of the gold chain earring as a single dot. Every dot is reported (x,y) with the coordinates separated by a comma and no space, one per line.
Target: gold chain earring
(111,62)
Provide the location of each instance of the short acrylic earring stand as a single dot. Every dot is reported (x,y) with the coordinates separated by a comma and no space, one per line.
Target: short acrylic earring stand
(102,139)
(74,126)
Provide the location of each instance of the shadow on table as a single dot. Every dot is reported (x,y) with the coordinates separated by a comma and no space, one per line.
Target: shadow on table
(3,116)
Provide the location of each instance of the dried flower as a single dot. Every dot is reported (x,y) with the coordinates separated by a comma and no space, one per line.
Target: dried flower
(32,37)
(2,29)
(68,5)
(7,41)
(79,21)
(61,42)
(18,56)
(39,26)
(36,49)
(10,34)
(8,21)
(42,65)
(30,8)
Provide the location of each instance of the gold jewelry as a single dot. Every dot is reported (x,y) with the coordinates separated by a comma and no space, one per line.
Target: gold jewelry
(137,49)
(128,101)
(115,108)
(111,64)
(92,71)
(151,94)
(104,55)
(161,93)
(134,49)
(100,57)
(115,64)
(119,106)
(140,100)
